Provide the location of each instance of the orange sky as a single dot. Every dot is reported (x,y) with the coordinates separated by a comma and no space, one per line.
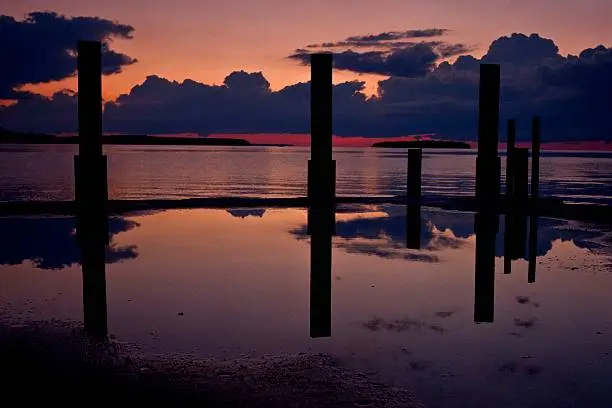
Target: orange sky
(204,40)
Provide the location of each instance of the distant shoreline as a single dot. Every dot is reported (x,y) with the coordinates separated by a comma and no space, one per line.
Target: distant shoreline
(424,144)
(8,138)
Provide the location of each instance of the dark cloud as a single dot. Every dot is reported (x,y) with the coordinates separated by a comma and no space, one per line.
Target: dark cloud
(424,93)
(395,59)
(389,53)
(399,35)
(42,48)
(387,39)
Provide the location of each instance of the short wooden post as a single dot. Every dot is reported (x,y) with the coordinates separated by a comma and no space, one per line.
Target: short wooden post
(535,160)
(413,178)
(510,141)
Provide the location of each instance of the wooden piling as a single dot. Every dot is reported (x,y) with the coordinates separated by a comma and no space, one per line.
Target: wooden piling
(488,162)
(90,165)
(91,190)
(321,167)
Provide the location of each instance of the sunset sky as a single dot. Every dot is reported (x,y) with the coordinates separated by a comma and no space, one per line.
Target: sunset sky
(205,40)
(401,67)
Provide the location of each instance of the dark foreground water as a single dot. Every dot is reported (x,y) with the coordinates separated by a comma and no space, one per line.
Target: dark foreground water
(236,283)
(136,172)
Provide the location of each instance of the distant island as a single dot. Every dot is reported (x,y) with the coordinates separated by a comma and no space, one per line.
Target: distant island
(7,137)
(425,144)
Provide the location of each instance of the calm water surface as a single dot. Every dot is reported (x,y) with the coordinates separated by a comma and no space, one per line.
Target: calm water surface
(136,172)
(229,283)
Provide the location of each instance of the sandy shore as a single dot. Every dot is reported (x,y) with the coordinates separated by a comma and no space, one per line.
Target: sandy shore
(56,363)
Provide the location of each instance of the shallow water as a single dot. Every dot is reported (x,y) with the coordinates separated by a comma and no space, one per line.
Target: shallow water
(231,283)
(37,172)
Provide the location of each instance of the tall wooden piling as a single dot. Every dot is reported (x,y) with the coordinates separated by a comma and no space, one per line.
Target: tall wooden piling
(535,160)
(91,191)
(321,194)
(488,162)
(90,167)
(321,167)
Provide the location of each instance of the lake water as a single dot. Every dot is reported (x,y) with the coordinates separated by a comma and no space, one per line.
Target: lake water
(135,172)
(236,282)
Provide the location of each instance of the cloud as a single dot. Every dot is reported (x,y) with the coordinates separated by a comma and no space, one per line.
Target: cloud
(388,52)
(399,35)
(408,60)
(387,39)
(42,48)
(423,93)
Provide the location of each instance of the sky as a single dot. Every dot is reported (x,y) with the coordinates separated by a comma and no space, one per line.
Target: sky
(206,40)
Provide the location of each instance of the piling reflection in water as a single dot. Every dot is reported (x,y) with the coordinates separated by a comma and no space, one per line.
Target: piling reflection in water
(93,254)
(486,226)
(533,247)
(321,222)
(413,226)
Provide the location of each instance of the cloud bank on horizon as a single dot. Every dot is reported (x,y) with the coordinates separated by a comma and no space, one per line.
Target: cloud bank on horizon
(424,93)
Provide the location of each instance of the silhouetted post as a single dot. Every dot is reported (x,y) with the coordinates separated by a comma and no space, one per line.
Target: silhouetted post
(413,179)
(510,141)
(320,271)
(488,162)
(413,226)
(321,167)
(91,192)
(484,281)
(413,197)
(533,248)
(535,161)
